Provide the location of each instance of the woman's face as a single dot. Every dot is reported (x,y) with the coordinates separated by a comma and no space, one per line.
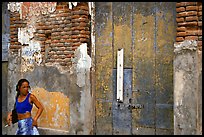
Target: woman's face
(24,88)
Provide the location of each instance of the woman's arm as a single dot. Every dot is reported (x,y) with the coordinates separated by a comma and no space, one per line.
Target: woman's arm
(39,106)
(9,118)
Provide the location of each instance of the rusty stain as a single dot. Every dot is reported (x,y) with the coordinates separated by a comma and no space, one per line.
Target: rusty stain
(56,112)
(143,52)
(123,39)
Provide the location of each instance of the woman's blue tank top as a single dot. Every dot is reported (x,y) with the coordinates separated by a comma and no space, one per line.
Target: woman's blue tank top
(22,107)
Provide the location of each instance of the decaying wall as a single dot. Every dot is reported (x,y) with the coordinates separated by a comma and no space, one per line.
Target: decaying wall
(50,46)
(5,45)
(188,70)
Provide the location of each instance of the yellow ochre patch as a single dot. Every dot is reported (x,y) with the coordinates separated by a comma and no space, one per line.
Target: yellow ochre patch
(56,112)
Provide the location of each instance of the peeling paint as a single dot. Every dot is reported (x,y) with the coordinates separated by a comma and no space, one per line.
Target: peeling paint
(185,45)
(31,54)
(72,3)
(14,6)
(83,64)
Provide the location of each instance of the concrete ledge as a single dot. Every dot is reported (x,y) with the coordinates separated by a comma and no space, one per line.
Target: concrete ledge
(185,45)
(49,131)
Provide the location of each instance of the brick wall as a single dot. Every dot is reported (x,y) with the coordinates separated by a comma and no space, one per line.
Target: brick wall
(59,33)
(189,21)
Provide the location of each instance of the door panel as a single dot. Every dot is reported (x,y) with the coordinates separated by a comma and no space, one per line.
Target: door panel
(122,115)
(104,66)
(146,32)
(144,67)
(165,36)
(122,33)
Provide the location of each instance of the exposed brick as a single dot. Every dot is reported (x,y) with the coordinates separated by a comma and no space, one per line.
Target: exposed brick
(40,38)
(191,23)
(75,32)
(83,24)
(14,47)
(62,56)
(40,35)
(76,44)
(56,38)
(199,43)
(63,14)
(200,18)
(200,32)
(191,38)
(13,36)
(181,34)
(68,59)
(200,38)
(79,28)
(181,29)
(180,19)
(54,22)
(68,52)
(57,29)
(191,3)
(62,40)
(180,9)
(66,21)
(83,36)
(191,32)
(67,29)
(200,8)
(80,20)
(188,24)
(75,24)
(48,31)
(60,7)
(59,52)
(62,49)
(65,37)
(55,41)
(13,28)
(80,12)
(14,33)
(74,48)
(84,40)
(75,40)
(63,33)
(68,41)
(184,14)
(55,34)
(74,36)
(40,31)
(192,18)
(40,24)
(200,13)
(14,39)
(69,56)
(75,16)
(191,8)
(83,8)
(15,43)
(180,4)
(178,39)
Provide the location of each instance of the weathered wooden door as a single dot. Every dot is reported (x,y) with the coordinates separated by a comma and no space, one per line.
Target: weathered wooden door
(146,31)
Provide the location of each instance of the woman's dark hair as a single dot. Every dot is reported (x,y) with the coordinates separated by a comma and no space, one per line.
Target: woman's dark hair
(20,82)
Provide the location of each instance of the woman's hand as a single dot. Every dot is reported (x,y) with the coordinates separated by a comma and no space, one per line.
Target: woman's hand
(34,123)
(9,118)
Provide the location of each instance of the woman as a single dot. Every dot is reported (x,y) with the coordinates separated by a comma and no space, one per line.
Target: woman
(24,103)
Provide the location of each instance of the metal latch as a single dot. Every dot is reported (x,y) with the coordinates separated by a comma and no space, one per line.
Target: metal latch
(135,106)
